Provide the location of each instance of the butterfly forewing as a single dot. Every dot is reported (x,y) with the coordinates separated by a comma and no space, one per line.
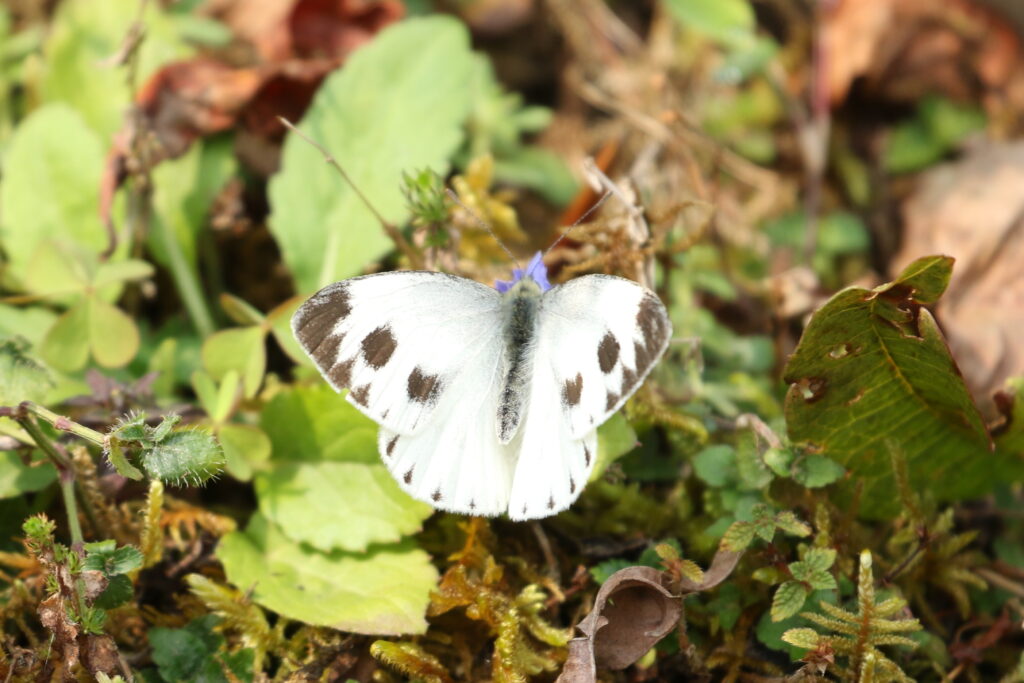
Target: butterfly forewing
(607,334)
(398,341)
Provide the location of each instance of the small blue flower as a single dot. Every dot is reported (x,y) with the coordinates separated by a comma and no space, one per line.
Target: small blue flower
(535,270)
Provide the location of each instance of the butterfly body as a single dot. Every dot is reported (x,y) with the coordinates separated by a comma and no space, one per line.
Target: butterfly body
(488,401)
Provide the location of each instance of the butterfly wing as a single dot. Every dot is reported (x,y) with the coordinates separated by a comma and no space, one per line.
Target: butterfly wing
(597,338)
(399,341)
(457,463)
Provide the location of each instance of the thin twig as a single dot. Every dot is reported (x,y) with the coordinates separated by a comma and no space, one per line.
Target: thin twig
(393,232)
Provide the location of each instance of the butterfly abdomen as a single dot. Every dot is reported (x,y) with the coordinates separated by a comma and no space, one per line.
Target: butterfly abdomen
(520,308)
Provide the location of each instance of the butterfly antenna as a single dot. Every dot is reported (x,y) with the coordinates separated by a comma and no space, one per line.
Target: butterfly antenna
(483,224)
(394,233)
(585,216)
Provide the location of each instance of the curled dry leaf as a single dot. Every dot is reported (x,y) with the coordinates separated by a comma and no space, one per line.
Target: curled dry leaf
(633,611)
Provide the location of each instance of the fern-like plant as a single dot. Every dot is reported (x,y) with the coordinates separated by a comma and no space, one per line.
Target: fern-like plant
(858,635)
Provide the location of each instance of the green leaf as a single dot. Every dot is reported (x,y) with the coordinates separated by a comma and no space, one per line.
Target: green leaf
(240,349)
(113,336)
(245,447)
(788,522)
(117,272)
(227,394)
(815,471)
(788,600)
(240,311)
(66,345)
(82,36)
(728,21)
(615,438)
(280,319)
(313,423)
(22,378)
(197,653)
(804,638)
(540,170)
(17,479)
(183,193)
(820,558)
(872,375)
(49,187)
(383,591)
(206,392)
(119,591)
(104,557)
(186,456)
(716,465)
(338,504)
(738,536)
(937,128)
(325,233)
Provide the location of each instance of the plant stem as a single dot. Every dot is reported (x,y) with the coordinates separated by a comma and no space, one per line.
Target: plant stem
(65,472)
(64,424)
(185,277)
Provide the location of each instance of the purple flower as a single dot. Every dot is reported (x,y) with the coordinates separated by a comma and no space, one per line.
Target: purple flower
(535,270)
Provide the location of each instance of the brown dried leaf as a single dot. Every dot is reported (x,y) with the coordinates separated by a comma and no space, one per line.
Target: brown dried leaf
(632,612)
(904,49)
(53,616)
(94,582)
(100,654)
(972,210)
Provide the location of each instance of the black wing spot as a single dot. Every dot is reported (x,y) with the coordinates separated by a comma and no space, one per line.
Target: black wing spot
(341,373)
(608,353)
(361,395)
(391,445)
(586,454)
(423,388)
(436,495)
(572,486)
(378,347)
(551,503)
(407,477)
(572,391)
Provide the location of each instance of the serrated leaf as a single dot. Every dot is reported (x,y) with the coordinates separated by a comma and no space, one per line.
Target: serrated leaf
(245,447)
(119,591)
(806,638)
(186,456)
(325,233)
(48,191)
(240,349)
(820,558)
(815,471)
(788,522)
(788,600)
(738,536)
(383,591)
(338,504)
(113,336)
(871,374)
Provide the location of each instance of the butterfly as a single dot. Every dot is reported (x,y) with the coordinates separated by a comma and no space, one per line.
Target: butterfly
(488,399)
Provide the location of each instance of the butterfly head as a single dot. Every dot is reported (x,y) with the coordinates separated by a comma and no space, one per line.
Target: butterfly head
(535,272)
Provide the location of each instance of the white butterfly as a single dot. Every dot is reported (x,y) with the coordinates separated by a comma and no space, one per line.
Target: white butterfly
(488,400)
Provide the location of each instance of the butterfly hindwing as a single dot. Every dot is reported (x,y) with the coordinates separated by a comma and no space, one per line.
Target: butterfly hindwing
(606,335)
(457,463)
(398,341)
